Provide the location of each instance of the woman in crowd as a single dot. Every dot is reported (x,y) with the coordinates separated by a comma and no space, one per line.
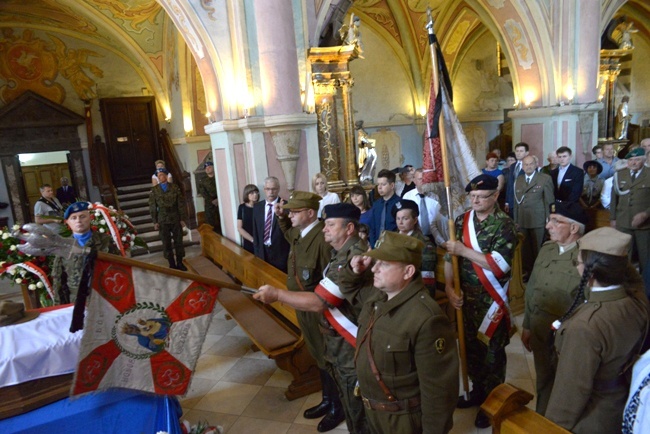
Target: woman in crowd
(593,185)
(319,184)
(492,168)
(359,198)
(406,213)
(245,215)
(160,165)
(598,340)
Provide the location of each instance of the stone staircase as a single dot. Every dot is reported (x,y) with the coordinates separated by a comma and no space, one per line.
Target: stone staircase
(134,201)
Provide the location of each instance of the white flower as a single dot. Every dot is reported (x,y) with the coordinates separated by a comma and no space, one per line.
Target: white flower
(39,284)
(111,208)
(113,218)
(12,248)
(15,227)
(102,222)
(98,214)
(11,271)
(123,238)
(5,235)
(31,287)
(90,206)
(2,263)
(18,280)
(132,243)
(102,230)
(23,273)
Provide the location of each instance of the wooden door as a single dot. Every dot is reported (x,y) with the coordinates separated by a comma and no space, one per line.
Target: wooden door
(35,176)
(131,132)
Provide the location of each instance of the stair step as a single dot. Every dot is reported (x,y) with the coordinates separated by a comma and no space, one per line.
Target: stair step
(138,212)
(133,188)
(141,195)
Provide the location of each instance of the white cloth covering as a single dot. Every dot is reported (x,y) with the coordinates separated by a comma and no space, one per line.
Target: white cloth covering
(43,347)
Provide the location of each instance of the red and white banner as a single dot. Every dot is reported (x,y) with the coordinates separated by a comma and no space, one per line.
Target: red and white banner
(144,329)
(330,292)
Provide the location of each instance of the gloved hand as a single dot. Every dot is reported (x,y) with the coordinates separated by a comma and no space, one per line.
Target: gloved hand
(42,241)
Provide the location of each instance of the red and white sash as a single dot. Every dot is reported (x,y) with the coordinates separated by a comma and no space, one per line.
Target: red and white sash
(499,308)
(331,293)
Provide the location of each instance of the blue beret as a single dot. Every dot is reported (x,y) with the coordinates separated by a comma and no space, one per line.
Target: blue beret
(482,182)
(636,152)
(163,170)
(208,163)
(405,204)
(75,207)
(341,210)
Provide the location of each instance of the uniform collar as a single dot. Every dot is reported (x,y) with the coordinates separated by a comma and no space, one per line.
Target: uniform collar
(607,293)
(385,306)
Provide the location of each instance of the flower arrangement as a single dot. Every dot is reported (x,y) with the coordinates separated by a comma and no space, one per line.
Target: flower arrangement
(108,220)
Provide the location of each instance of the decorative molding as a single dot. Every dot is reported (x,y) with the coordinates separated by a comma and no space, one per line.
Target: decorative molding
(286,145)
(517,35)
(496,4)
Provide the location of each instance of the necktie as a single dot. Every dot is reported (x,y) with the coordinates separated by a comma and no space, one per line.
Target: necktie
(267,224)
(634,174)
(424,214)
(382,222)
(528,180)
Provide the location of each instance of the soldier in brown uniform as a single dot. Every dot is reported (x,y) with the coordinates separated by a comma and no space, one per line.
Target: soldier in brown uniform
(598,340)
(550,291)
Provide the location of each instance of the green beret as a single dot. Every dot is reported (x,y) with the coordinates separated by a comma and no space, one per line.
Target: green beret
(303,199)
(394,247)
(636,152)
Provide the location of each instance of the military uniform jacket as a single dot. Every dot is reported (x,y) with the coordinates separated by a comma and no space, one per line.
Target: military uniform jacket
(625,206)
(594,347)
(551,288)
(532,200)
(414,349)
(207,188)
(167,207)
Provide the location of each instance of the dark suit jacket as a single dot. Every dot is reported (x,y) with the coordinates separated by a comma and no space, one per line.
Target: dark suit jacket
(571,188)
(276,254)
(66,197)
(510,187)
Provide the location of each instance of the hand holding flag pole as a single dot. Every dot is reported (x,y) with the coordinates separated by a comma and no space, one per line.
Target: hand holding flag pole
(447,181)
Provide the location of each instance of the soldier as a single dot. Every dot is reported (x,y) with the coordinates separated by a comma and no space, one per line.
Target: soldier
(550,291)
(599,339)
(167,209)
(308,258)
(486,245)
(406,354)
(207,187)
(340,305)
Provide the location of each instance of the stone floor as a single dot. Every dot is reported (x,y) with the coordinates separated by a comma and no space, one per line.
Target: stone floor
(243,391)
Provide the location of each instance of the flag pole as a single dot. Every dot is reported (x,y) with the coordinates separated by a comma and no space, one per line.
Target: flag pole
(450,222)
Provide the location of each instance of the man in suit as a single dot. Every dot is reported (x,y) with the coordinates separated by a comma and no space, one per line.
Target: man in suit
(521,152)
(382,219)
(630,206)
(268,241)
(533,197)
(65,193)
(567,178)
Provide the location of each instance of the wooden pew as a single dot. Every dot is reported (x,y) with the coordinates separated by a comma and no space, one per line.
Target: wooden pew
(506,408)
(273,329)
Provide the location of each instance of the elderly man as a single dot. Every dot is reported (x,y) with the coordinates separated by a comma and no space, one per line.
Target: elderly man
(167,209)
(486,245)
(46,207)
(340,305)
(308,258)
(406,354)
(552,163)
(429,208)
(268,242)
(207,187)
(630,206)
(551,289)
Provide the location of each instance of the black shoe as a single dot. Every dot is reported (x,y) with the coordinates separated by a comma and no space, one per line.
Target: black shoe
(172,263)
(181,266)
(331,420)
(318,411)
(476,398)
(481,421)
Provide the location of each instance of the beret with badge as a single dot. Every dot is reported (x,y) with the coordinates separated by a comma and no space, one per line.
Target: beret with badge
(303,199)
(606,240)
(394,247)
(341,210)
(162,170)
(482,182)
(571,210)
(75,207)
(405,204)
(12,313)
(636,152)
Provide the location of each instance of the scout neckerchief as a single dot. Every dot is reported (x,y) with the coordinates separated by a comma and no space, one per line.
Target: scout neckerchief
(499,308)
(331,293)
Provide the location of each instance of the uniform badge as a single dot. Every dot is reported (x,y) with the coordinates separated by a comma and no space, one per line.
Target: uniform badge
(305,274)
(440,345)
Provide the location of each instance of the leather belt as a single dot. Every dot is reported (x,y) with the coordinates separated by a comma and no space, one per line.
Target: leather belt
(391,407)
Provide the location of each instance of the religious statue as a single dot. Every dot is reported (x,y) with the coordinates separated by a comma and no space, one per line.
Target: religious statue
(625,38)
(367,154)
(622,119)
(350,34)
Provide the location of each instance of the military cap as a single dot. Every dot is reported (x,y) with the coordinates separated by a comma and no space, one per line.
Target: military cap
(606,240)
(599,167)
(208,163)
(394,247)
(303,199)
(405,168)
(341,210)
(75,207)
(491,155)
(571,210)
(636,152)
(405,204)
(163,170)
(482,182)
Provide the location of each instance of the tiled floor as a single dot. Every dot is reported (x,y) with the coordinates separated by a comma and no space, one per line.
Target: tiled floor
(243,391)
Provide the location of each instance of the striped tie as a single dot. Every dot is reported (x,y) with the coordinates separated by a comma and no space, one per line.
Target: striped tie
(267,225)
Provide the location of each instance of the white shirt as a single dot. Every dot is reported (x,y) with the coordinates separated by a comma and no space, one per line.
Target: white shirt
(561,173)
(433,208)
(606,192)
(304,232)
(329,199)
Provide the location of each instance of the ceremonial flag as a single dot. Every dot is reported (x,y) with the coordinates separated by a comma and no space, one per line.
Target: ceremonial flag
(144,328)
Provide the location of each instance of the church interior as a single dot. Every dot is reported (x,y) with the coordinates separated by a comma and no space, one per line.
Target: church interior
(98,90)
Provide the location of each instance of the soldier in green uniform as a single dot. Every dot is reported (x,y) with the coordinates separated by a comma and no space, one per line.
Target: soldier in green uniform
(486,245)
(599,339)
(207,187)
(550,291)
(406,357)
(339,305)
(167,209)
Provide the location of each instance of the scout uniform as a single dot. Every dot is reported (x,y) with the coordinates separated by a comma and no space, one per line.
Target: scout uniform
(596,346)
(552,287)
(167,208)
(207,188)
(406,357)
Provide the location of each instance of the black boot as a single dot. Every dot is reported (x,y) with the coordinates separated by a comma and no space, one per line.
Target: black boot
(476,398)
(321,409)
(180,265)
(335,415)
(172,262)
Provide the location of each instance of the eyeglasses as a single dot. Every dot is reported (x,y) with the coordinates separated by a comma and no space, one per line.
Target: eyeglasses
(576,262)
(297,211)
(556,222)
(479,197)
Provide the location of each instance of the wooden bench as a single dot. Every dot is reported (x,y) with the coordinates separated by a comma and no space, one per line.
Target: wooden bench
(273,329)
